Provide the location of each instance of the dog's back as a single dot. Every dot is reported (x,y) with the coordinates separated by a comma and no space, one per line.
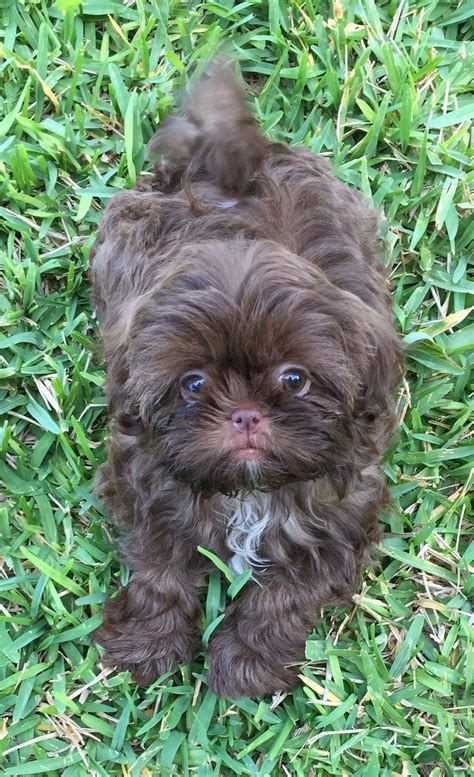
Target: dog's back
(217,175)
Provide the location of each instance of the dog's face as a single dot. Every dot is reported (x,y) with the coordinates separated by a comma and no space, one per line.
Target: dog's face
(249,369)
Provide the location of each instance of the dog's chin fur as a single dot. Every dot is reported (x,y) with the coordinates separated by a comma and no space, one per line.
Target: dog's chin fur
(238,258)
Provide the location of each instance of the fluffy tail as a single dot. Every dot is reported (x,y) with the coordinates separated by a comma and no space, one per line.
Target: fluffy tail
(214,136)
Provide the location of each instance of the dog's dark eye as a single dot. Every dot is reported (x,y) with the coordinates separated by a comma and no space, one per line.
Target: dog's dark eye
(193,383)
(296,381)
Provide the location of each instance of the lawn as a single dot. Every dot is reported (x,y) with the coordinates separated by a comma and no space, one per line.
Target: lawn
(382,89)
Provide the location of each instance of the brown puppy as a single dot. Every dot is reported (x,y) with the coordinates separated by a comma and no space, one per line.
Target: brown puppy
(251,361)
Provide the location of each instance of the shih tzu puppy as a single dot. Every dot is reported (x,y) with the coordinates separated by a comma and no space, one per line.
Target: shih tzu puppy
(251,362)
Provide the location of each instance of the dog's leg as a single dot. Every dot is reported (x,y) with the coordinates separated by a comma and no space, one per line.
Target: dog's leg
(151,626)
(264,633)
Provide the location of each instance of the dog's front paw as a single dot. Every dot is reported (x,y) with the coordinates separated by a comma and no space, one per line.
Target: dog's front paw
(147,647)
(146,672)
(237,670)
(145,656)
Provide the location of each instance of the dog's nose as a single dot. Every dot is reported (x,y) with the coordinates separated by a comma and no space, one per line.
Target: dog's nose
(246,419)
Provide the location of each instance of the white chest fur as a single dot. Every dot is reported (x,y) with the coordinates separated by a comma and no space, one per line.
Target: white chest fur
(247,517)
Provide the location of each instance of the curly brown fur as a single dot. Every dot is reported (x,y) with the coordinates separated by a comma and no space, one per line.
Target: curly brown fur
(285,276)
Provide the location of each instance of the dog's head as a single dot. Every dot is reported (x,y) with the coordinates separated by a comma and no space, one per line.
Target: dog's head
(249,369)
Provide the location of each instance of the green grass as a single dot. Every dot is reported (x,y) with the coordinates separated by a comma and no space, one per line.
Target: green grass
(384,91)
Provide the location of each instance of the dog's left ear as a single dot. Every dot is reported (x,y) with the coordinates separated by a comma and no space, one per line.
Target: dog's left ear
(383,370)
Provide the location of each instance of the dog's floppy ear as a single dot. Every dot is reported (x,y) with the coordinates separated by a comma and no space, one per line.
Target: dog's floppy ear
(136,384)
(122,406)
(383,370)
(215,135)
(122,403)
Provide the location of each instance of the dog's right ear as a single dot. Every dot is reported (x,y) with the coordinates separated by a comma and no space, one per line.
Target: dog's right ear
(136,385)
(122,407)
(129,423)
(215,135)
(122,404)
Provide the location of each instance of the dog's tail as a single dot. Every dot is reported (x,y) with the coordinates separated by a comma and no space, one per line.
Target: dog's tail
(214,136)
